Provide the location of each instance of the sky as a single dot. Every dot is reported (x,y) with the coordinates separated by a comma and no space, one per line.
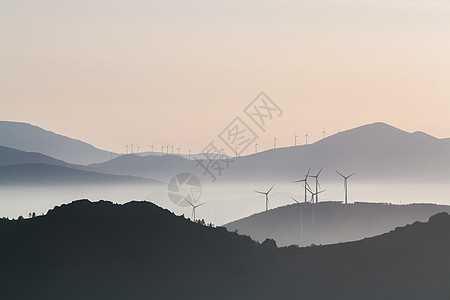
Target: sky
(112,72)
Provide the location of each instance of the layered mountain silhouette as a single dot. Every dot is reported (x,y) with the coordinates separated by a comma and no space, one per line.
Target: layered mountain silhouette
(30,138)
(151,166)
(334,222)
(10,156)
(49,174)
(378,152)
(102,250)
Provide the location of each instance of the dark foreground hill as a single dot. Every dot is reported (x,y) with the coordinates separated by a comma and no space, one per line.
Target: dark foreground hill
(334,222)
(101,250)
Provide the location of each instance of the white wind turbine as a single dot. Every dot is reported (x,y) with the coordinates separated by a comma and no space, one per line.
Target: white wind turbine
(267,196)
(345,184)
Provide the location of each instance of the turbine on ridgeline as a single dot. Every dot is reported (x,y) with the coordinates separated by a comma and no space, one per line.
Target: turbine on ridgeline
(194,207)
(345,184)
(267,196)
(305,180)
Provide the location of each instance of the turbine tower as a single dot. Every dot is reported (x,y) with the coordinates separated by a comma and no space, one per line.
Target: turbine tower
(317,184)
(306,137)
(275,143)
(162,150)
(312,201)
(126,148)
(345,184)
(295,139)
(178,150)
(305,180)
(235,150)
(131,148)
(256,148)
(324,133)
(138,149)
(300,214)
(194,207)
(152,149)
(189,154)
(267,196)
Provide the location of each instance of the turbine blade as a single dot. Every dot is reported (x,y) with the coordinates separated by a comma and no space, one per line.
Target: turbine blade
(189,202)
(270,189)
(295,200)
(260,192)
(307,174)
(200,204)
(351,175)
(340,174)
(319,172)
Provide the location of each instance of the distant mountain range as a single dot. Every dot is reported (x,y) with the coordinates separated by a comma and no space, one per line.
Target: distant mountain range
(30,138)
(102,250)
(377,152)
(334,222)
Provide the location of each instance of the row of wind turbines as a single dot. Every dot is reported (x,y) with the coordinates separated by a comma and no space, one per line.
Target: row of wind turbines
(129,148)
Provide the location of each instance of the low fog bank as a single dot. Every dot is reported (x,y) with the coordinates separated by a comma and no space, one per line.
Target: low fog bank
(224,202)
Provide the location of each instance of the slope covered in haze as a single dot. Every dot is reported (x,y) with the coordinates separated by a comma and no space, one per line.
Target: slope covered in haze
(376,151)
(45,174)
(26,137)
(100,250)
(10,156)
(151,166)
(333,222)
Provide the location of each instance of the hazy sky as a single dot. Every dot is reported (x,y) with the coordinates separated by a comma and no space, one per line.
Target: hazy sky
(177,72)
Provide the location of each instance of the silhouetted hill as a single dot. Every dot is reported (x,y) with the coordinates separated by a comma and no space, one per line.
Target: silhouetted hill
(37,174)
(151,166)
(26,137)
(101,250)
(10,156)
(334,222)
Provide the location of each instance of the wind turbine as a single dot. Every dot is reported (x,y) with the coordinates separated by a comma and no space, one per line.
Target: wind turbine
(324,133)
(235,150)
(267,196)
(138,150)
(345,184)
(189,154)
(300,214)
(295,139)
(178,149)
(305,180)
(275,142)
(256,148)
(167,149)
(162,150)
(317,184)
(306,137)
(126,148)
(172,149)
(152,149)
(312,201)
(194,207)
